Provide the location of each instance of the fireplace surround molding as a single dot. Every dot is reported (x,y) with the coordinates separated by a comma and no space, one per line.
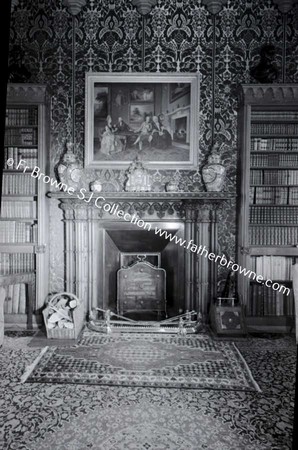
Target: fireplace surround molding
(197,211)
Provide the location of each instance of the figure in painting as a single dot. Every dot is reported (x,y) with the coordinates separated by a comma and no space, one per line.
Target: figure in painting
(145,133)
(124,132)
(161,138)
(121,126)
(110,143)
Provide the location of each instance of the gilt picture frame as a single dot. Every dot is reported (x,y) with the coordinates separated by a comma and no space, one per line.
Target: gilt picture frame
(152,116)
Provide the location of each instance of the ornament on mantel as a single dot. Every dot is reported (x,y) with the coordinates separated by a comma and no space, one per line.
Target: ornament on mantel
(214,173)
(96,186)
(138,178)
(70,169)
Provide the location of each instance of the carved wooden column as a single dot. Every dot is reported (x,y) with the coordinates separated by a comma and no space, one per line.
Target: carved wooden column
(76,216)
(81,253)
(93,217)
(67,208)
(190,218)
(205,270)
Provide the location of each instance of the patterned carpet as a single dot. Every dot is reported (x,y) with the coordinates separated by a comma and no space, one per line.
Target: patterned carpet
(78,417)
(146,360)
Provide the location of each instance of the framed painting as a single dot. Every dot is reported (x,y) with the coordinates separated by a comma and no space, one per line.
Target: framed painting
(152,116)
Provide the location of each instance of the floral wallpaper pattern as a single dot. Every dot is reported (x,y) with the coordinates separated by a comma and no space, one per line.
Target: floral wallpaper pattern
(179,37)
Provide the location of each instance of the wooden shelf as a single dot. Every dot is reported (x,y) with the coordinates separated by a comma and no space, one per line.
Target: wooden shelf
(277,152)
(13,247)
(19,197)
(270,250)
(274,185)
(272,168)
(274,136)
(18,219)
(33,146)
(16,172)
(275,121)
(273,205)
(272,225)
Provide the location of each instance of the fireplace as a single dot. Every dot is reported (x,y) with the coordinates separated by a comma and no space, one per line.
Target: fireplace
(95,242)
(180,130)
(179,124)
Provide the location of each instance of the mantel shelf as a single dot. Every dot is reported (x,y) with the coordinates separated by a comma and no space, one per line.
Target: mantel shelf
(148,196)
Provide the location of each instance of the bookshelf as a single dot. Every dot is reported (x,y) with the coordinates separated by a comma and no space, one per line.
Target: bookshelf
(23,219)
(267,239)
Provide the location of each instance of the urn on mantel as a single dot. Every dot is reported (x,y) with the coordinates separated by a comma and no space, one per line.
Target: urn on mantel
(70,169)
(214,173)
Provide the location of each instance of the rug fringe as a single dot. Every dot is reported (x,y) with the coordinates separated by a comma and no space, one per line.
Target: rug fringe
(248,369)
(32,366)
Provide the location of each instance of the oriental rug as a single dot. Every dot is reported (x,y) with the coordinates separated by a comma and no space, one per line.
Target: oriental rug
(145,360)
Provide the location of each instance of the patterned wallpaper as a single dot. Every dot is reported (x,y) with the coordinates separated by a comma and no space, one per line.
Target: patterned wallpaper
(178,37)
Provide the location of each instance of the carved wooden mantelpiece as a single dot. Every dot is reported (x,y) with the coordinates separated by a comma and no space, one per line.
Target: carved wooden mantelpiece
(197,212)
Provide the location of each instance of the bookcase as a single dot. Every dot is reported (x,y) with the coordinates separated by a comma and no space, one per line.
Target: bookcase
(268,202)
(23,219)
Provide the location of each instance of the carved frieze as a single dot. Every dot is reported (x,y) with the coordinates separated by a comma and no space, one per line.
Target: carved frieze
(189,206)
(26,92)
(257,93)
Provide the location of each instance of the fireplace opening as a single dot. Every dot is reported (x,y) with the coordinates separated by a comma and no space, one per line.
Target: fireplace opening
(123,248)
(180,133)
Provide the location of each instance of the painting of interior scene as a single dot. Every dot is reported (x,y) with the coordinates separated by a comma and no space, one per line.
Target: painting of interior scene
(148,120)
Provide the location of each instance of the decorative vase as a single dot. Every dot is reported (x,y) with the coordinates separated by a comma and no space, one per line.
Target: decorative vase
(214,173)
(96,186)
(70,169)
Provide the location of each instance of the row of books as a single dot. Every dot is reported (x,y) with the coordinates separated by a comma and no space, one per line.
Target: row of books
(11,263)
(20,136)
(273,195)
(274,145)
(17,232)
(279,160)
(274,128)
(19,184)
(273,267)
(264,235)
(21,116)
(271,177)
(273,215)
(17,209)
(282,115)
(18,153)
(15,300)
(264,301)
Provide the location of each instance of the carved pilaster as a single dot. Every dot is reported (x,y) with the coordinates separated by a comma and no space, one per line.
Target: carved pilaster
(190,218)
(206,270)
(81,258)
